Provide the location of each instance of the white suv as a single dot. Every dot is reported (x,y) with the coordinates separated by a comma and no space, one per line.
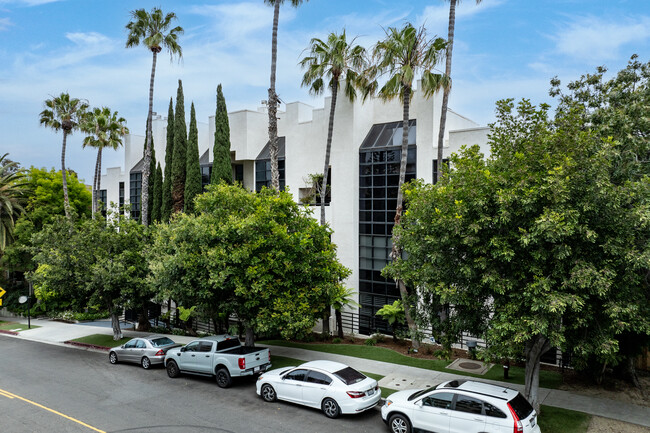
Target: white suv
(460,406)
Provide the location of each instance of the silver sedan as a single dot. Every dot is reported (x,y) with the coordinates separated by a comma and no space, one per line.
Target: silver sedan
(146,351)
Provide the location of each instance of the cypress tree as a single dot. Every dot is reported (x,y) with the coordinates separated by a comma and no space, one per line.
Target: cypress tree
(156,209)
(193,168)
(221,164)
(166,206)
(180,151)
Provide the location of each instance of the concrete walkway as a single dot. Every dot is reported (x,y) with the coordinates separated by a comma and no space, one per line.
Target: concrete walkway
(395,376)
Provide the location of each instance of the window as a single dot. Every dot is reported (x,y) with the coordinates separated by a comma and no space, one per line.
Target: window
(493,411)
(162,341)
(129,344)
(435,168)
(440,400)
(296,375)
(228,344)
(205,346)
(135,186)
(102,202)
(317,377)
(469,404)
(263,166)
(206,175)
(140,344)
(121,204)
(349,375)
(521,406)
(239,172)
(192,347)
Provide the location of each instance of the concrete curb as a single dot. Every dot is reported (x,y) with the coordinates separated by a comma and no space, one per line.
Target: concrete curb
(87,345)
(2,331)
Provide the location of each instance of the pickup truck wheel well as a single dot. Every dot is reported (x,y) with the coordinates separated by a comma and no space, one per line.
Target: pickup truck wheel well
(218,367)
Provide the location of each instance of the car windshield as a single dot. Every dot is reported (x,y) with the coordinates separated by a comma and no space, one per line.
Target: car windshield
(162,341)
(349,375)
(421,392)
(521,406)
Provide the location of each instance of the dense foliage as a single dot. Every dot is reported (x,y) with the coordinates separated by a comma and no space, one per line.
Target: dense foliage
(180,153)
(167,203)
(192,168)
(221,164)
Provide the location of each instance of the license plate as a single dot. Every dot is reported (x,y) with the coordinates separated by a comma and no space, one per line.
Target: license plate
(256,369)
(371,391)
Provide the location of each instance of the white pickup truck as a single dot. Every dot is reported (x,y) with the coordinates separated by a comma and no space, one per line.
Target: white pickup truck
(221,356)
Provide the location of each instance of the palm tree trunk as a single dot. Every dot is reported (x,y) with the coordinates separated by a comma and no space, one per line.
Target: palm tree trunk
(95,187)
(146,171)
(396,252)
(99,177)
(328,149)
(273,103)
(446,90)
(66,201)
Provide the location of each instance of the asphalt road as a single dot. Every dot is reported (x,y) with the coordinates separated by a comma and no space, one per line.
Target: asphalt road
(47,388)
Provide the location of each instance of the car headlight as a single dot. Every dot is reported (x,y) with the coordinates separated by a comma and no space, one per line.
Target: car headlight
(259,378)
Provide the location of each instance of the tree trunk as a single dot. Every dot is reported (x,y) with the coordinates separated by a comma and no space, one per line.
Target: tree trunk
(143,320)
(396,252)
(115,323)
(328,149)
(535,348)
(326,323)
(339,323)
(66,201)
(250,335)
(446,90)
(95,180)
(146,170)
(272,103)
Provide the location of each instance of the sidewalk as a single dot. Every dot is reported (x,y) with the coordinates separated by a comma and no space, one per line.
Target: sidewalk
(395,376)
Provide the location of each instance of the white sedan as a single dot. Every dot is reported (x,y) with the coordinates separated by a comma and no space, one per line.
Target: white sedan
(333,387)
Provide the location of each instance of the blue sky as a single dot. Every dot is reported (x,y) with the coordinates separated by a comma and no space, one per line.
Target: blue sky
(503,49)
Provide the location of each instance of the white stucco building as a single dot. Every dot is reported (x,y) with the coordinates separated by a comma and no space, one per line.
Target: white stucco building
(364,168)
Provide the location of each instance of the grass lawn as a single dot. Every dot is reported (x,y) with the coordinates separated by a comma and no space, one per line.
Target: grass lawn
(102,340)
(556,420)
(547,379)
(13,326)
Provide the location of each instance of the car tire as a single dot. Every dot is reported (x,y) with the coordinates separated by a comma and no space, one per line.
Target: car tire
(223,378)
(398,423)
(172,369)
(145,363)
(268,393)
(112,358)
(330,408)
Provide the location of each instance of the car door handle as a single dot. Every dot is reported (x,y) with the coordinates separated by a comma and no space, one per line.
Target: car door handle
(297,384)
(193,356)
(207,356)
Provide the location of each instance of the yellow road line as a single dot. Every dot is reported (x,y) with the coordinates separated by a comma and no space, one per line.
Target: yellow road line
(10,395)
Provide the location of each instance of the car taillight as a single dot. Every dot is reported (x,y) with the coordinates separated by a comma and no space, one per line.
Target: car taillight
(160,353)
(518,427)
(356,394)
(242,363)
(269,356)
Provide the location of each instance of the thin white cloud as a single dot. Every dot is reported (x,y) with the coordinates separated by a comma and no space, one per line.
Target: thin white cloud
(437,17)
(5,23)
(28,2)
(598,39)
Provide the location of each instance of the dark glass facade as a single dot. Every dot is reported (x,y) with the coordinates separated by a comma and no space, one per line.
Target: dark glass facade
(238,173)
(121,199)
(379,164)
(263,173)
(102,201)
(206,175)
(135,185)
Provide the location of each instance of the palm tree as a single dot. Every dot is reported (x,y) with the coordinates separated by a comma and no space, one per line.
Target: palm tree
(12,196)
(152,29)
(272,102)
(105,130)
(400,56)
(332,60)
(341,298)
(447,90)
(63,113)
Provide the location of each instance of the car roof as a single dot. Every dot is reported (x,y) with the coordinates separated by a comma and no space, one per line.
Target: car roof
(153,337)
(328,366)
(482,388)
(217,338)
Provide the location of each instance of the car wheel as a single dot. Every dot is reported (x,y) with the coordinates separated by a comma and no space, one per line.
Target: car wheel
(268,393)
(223,378)
(172,369)
(399,424)
(112,357)
(145,363)
(330,408)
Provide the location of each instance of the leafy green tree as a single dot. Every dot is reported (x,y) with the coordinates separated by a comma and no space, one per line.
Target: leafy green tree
(167,204)
(327,64)
(393,314)
(537,243)
(272,102)
(179,163)
(400,57)
(157,195)
(447,89)
(257,255)
(221,163)
(341,298)
(12,199)
(63,113)
(193,168)
(154,31)
(111,272)
(104,129)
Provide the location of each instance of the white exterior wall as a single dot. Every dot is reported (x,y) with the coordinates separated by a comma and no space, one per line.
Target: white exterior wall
(305,129)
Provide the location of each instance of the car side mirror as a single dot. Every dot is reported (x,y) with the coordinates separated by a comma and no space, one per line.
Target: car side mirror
(419,403)
(122,346)
(182,349)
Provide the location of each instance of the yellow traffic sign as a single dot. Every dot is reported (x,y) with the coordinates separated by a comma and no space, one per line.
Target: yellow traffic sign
(2,292)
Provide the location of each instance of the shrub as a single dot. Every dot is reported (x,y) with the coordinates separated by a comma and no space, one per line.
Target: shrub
(378,337)
(370,342)
(336,340)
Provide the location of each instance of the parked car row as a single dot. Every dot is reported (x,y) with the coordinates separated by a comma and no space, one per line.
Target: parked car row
(457,406)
